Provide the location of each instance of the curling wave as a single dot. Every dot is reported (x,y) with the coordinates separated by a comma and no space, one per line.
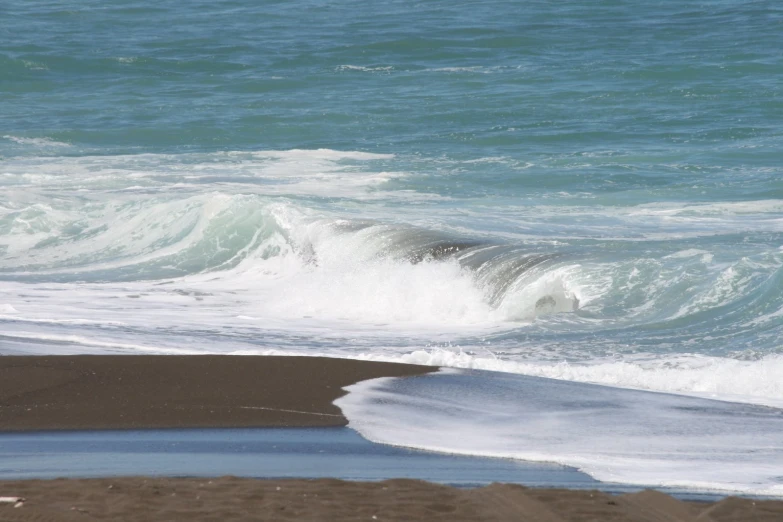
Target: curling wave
(287,260)
(332,252)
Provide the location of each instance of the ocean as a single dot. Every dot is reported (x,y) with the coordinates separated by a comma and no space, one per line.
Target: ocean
(584,196)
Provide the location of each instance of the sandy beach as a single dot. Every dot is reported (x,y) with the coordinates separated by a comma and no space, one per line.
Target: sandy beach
(120,392)
(231,498)
(209,391)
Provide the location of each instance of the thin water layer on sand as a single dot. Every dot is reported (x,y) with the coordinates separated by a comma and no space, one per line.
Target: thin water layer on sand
(261,453)
(614,435)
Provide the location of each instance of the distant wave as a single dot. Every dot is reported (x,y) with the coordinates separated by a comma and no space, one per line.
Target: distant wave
(361,68)
(35,142)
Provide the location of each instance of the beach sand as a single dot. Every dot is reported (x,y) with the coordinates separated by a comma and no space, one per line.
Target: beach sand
(116,392)
(205,391)
(239,499)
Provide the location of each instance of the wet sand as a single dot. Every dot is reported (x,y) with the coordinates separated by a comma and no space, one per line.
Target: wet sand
(84,392)
(236,499)
(122,392)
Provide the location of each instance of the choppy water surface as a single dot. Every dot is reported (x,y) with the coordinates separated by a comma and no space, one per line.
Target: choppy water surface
(582,191)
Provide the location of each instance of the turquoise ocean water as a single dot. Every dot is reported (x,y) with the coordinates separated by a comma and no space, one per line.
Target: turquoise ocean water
(590,192)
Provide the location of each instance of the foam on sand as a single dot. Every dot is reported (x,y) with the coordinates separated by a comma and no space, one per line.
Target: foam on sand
(615,435)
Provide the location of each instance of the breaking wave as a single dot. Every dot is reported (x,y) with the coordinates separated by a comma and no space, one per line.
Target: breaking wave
(326,267)
(324,251)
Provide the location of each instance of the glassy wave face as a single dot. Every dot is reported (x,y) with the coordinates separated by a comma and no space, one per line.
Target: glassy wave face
(580,191)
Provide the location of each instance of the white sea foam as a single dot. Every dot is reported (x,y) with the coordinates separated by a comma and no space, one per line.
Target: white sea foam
(362,68)
(35,66)
(320,172)
(473,69)
(753,382)
(323,154)
(386,293)
(36,142)
(638,223)
(482,69)
(7,309)
(614,435)
(79,342)
(706,257)
(712,209)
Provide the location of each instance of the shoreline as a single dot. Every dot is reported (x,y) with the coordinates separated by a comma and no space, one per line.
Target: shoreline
(60,394)
(93,392)
(293,453)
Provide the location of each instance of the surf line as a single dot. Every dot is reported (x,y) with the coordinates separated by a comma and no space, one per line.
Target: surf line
(289,411)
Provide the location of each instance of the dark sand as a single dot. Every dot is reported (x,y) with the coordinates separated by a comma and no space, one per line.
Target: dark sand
(234,499)
(102,392)
(206,391)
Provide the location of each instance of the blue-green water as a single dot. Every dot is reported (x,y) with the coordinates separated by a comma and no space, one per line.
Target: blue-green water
(588,191)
